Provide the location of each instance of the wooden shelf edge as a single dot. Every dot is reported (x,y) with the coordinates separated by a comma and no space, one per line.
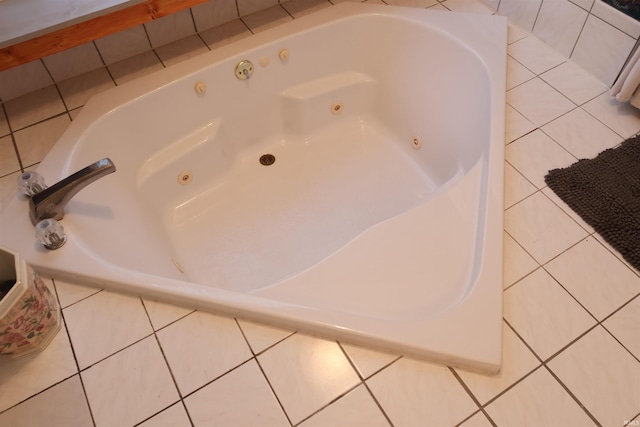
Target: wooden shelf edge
(89,30)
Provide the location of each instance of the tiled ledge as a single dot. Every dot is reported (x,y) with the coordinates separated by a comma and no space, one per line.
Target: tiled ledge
(108,50)
(594,35)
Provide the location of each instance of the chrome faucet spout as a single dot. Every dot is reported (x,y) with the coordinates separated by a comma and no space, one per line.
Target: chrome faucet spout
(50,202)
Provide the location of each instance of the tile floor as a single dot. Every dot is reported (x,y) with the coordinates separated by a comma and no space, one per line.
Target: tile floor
(571,305)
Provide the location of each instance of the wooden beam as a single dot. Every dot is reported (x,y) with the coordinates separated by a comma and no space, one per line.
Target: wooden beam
(86,31)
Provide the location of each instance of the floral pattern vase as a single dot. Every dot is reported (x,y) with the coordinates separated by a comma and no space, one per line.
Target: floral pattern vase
(29,314)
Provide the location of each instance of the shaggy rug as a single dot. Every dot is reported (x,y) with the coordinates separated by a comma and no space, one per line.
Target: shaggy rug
(605,192)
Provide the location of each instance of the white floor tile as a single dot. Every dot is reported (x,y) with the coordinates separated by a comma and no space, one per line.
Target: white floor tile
(478,420)
(535,154)
(595,277)
(130,386)
(414,393)
(566,209)
(535,55)
(516,186)
(356,408)
(581,134)
(517,125)
(368,361)
(603,376)
(200,347)
(539,102)
(538,401)
(544,314)
(310,375)
(542,228)
(70,293)
(515,32)
(517,361)
(517,73)
(240,398)
(306,374)
(574,82)
(23,377)
(517,262)
(615,252)
(162,314)
(62,405)
(261,337)
(174,416)
(104,324)
(624,325)
(622,118)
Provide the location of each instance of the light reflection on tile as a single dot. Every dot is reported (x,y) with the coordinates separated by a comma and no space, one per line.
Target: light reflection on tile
(241,397)
(307,373)
(200,347)
(414,393)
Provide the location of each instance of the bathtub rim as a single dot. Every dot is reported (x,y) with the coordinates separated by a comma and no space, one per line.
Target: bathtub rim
(485,359)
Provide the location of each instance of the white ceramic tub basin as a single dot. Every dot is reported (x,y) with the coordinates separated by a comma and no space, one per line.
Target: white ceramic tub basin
(380,221)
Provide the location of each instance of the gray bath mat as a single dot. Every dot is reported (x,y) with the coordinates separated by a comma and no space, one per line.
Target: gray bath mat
(605,192)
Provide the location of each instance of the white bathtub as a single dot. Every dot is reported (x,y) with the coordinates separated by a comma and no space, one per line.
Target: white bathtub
(380,222)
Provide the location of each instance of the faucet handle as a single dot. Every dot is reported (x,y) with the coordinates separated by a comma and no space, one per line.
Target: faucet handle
(50,233)
(31,183)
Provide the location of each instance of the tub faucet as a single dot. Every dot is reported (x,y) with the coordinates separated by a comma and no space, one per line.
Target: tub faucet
(50,202)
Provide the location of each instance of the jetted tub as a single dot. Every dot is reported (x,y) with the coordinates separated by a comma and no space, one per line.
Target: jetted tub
(380,222)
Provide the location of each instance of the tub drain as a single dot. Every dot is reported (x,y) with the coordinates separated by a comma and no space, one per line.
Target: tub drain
(267,159)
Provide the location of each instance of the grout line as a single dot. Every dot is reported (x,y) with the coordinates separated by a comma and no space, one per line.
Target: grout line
(363,380)
(166,361)
(264,374)
(73,351)
(573,396)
